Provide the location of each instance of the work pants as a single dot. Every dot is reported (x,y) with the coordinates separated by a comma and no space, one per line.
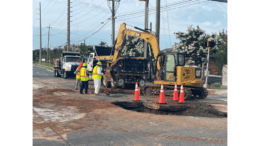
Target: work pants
(97,84)
(84,85)
(77,84)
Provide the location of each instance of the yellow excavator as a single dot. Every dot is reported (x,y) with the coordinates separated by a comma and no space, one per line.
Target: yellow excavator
(169,69)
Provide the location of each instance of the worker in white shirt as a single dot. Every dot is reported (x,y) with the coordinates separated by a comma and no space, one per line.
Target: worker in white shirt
(97,75)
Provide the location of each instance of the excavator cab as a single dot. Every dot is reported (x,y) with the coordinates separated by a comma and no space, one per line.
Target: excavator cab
(167,63)
(171,68)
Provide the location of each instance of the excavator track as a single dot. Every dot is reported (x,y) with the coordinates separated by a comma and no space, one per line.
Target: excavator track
(190,92)
(199,92)
(154,91)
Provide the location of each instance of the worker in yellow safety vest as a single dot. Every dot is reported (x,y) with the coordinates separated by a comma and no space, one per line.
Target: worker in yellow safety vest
(84,78)
(77,72)
(77,78)
(97,75)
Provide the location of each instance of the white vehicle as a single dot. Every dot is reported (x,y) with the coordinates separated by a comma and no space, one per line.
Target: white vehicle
(102,54)
(67,64)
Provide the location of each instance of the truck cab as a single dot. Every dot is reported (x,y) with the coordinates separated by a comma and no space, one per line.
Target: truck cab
(67,64)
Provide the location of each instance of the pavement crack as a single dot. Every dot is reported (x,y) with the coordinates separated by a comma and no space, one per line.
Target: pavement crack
(51,128)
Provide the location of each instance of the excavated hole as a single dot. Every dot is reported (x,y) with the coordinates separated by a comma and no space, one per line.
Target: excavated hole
(195,109)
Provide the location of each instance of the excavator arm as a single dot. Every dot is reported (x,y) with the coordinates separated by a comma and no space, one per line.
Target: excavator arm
(146,36)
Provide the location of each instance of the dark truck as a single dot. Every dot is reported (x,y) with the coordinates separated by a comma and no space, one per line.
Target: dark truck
(102,54)
(67,64)
(126,70)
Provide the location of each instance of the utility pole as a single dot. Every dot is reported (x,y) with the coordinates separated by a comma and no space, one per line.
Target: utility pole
(206,82)
(50,55)
(40,58)
(113,24)
(157,21)
(113,10)
(68,26)
(151,60)
(146,26)
(48,43)
(210,44)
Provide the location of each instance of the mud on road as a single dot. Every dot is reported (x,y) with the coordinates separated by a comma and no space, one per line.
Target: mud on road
(62,112)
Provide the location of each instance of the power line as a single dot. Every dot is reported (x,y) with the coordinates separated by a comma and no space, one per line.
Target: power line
(92,17)
(50,8)
(135,16)
(46,5)
(153,9)
(93,27)
(163,8)
(94,32)
(85,7)
(92,9)
(57,19)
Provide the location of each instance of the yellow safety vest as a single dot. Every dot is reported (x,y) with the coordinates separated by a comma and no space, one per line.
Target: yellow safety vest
(78,75)
(95,73)
(83,75)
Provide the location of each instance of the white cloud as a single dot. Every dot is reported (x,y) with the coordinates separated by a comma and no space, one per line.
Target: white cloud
(217,24)
(137,4)
(207,23)
(207,8)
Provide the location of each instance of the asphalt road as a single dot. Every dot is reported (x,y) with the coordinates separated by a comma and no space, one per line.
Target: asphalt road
(135,131)
(214,79)
(41,72)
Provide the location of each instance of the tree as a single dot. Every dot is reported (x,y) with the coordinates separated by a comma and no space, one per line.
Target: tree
(221,54)
(193,44)
(133,47)
(103,44)
(85,50)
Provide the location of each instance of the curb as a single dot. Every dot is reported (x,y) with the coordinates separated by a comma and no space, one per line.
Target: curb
(217,92)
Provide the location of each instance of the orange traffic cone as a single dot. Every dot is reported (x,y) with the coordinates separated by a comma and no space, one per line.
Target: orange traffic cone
(161,97)
(136,97)
(175,94)
(181,98)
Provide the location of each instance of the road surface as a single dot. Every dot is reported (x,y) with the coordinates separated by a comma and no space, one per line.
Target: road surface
(62,116)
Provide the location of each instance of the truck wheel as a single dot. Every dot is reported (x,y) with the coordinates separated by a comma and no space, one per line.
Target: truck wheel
(141,83)
(121,82)
(65,75)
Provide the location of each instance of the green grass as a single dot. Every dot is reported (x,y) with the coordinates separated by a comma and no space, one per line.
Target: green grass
(217,86)
(44,65)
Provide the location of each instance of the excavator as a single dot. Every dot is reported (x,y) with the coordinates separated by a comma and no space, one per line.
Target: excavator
(169,69)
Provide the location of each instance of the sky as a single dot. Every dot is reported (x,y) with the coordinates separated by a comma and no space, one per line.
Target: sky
(90,19)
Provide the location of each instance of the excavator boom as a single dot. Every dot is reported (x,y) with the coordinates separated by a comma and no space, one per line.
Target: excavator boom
(146,36)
